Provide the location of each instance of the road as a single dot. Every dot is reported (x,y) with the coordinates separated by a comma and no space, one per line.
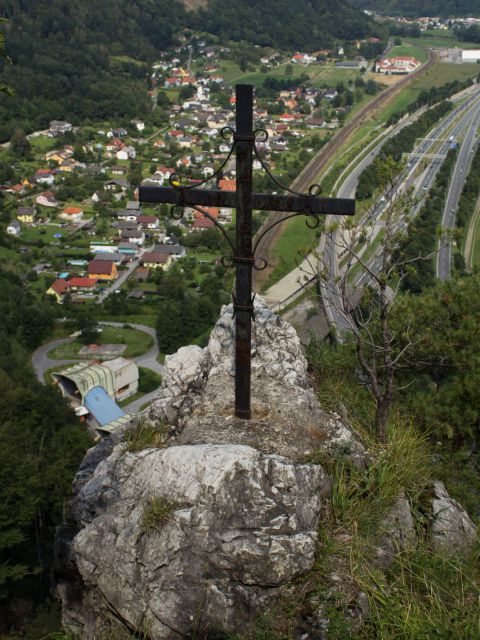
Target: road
(328,249)
(460,172)
(42,363)
(120,280)
(312,170)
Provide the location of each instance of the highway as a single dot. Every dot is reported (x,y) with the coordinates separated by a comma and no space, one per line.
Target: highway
(460,172)
(328,247)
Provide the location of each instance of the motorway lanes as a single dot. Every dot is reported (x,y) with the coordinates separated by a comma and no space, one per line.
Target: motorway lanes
(330,290)
(460,172)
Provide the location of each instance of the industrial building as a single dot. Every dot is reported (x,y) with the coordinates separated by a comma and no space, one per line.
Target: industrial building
(94,389)
(471,55)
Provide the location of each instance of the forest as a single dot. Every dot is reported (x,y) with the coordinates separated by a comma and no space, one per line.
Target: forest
(70,64)
(303,25)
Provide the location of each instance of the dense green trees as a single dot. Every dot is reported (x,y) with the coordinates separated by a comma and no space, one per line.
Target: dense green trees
(279,23)
(41,445)
(65,64)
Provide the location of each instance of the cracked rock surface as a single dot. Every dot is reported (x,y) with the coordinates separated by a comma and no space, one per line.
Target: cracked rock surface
(242,506)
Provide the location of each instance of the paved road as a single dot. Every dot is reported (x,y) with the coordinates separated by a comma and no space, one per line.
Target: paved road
(41,362)
(120,280)
(330,290)
(460,172)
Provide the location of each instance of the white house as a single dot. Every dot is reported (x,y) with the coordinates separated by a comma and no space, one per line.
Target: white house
(14,228)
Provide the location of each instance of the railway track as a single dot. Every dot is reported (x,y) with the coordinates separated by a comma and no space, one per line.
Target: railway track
(310,172)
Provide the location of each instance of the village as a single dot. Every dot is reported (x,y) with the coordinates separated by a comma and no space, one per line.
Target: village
(78,232)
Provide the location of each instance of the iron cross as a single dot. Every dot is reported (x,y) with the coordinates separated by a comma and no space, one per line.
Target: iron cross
(244,201)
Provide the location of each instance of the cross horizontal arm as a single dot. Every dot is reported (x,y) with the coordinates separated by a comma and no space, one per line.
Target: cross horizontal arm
(315,205)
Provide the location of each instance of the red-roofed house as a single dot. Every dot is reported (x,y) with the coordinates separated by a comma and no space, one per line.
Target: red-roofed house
(102,270)
(202,223)
(58,289)
(148,222)
(397,66)
(72,214)
(226,185)
(82,283)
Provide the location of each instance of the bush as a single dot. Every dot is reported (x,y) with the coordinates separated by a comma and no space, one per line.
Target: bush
(145,435)
(157,512)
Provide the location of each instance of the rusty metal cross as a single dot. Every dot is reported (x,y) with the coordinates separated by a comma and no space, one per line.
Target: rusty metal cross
(244,201)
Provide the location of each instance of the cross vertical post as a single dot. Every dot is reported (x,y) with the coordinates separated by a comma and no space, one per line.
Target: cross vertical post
(242,256)
(243,302)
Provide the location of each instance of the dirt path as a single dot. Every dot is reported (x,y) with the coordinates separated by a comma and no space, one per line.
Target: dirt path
(311,171)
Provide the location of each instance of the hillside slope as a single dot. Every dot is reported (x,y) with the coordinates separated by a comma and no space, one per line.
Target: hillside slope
(305,24)
(62,58)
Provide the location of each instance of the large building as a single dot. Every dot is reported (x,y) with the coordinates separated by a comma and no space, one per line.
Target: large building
(94,389)
(397,66)
(471,55)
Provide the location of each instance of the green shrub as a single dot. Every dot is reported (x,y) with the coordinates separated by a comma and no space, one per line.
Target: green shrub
(145,435)
(157,512)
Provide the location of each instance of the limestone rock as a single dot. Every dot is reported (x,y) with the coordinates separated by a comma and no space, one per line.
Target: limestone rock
(242,525)
(197,394)
(244,505)
(451,528)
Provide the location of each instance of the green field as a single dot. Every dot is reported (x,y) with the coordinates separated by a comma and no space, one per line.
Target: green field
(138,342)
(409,50)
(441,39)
(292,246)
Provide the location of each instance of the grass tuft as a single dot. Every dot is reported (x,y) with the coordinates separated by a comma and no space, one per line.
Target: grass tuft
(157,513)
(145,436)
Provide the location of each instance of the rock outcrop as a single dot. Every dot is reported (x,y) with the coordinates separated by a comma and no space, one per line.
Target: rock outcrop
(208,531)
(244,506)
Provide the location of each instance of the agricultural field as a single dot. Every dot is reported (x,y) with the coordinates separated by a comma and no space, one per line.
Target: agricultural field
(442,39)
(409,50)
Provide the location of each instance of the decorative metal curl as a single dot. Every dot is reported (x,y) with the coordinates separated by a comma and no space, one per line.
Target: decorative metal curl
(226,132)
(262,267)
(314,189)
(312,221)
(207,215)
(227,262)
(263,132)
(177,211)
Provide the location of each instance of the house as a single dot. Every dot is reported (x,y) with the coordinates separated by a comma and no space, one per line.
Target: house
(142,274)
(44,176)
(102,270)
(110,256)
(174,250)
(46,199)
(58,289)
(127,249)
(14,228)
(152,260)
(82,284)
(128,215)
(134,236)
(126,225)
(94,389)
(59,128)
(302,58)
(118,184)
(26,214)
(118,170)
(199,224)
(120,132)
(127,153)
(72,214)
(138,124)
(400,65)
(148,222)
